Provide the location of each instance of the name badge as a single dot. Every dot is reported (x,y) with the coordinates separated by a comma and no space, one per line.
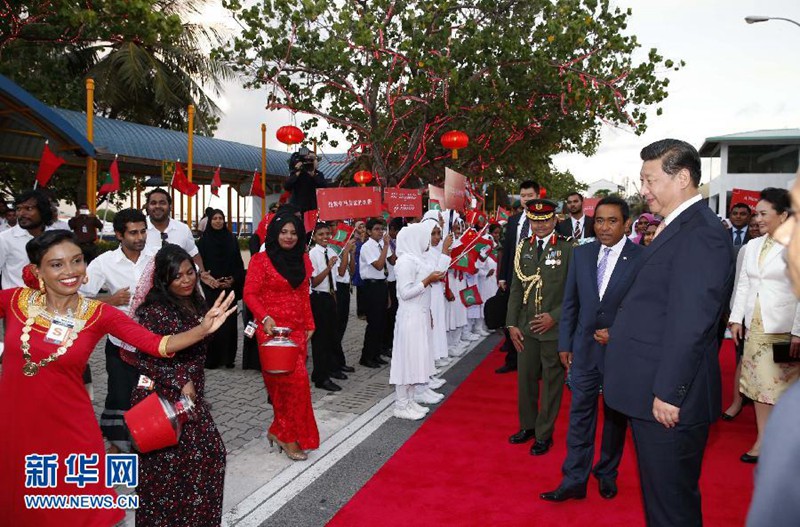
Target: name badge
(60,329)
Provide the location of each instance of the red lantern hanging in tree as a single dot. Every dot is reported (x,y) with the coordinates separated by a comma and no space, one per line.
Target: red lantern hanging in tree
(542,193)
(362,177)
(453,140)
(290,135)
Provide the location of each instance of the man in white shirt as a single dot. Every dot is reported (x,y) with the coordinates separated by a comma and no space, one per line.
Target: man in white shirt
(34,215)
(372,268)
(345,269)
(162,229)
(323,307)
(577,225)
(118,272)
(739,217)
(9,219)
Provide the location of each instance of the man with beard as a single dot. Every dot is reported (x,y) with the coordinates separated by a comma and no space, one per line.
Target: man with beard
(34,215)
(118,272)
(577,224)
(161,229)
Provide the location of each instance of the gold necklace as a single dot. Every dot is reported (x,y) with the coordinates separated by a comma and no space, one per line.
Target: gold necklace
(36,307)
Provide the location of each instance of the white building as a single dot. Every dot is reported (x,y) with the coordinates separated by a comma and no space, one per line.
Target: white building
(751,161)
(603,184)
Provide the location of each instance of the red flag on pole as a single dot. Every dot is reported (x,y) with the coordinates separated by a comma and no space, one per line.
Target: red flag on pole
(181,183)
(111,181)
(255,188)
(216,182)
(48,164)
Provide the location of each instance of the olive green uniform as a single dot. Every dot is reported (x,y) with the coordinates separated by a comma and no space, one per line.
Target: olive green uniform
(539,358)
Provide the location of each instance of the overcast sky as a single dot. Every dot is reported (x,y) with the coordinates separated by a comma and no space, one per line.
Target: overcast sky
(738,78)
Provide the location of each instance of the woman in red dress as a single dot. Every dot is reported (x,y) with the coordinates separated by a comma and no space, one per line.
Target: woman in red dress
(44,408)
(277,291)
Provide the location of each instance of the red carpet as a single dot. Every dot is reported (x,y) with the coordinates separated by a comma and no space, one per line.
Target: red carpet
(459,469)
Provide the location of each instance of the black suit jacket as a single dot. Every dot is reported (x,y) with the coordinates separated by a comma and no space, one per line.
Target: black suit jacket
(506,270)
(582,311)
(664,340)
(564,228)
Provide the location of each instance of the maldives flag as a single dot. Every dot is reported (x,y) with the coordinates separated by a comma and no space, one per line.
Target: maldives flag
(433,204)
(111,181)
(256,189)
(342,234)
(470,296)
(48,164)
(464,259)
(482,243)
(216,182)
(476,217)
(181,183)
(502,216)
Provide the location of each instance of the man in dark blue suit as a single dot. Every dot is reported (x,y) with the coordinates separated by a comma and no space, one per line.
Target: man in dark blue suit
(662,369)
(598,276)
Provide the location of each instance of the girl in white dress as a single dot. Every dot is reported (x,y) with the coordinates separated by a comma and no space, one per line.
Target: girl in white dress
(412,357)
(439,256)
(456,311)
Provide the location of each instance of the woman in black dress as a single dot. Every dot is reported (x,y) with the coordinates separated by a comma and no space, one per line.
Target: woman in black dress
(221,257)
(182,484)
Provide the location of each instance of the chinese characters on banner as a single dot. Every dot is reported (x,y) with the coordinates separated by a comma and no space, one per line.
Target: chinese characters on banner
(403,202)
(348,202)
(748,197)
(455,188)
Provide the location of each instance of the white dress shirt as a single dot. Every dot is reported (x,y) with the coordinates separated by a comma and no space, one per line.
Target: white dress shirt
(370,252)
(13,257)
(580,222)
(390,276)
(682,207)
(743,232)
(613,256)
(177,233)
(317,257)
(113,271)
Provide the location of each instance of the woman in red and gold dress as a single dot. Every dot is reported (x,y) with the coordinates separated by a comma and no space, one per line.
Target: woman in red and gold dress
(44,409)
(277,291)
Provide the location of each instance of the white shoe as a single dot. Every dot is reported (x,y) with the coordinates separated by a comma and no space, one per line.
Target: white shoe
(428,397)
(459,350)
(438,395)
(419,408)
(435,383)
(408,413)
(470,337)
(437,371)
(482,332)
(439,363)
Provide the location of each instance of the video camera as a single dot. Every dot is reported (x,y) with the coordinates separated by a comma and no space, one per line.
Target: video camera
(305,157)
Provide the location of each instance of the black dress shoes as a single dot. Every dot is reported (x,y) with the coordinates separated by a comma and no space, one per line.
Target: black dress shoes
(505,368)
(369,364)
(338,375)
(729,417)
(523,436)
(328,385)
(608,488)
(561,494)
(748,458)
(380,361)
(347,369)
(541,447)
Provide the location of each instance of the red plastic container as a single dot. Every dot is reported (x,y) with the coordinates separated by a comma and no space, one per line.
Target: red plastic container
(155,423)
(279,354)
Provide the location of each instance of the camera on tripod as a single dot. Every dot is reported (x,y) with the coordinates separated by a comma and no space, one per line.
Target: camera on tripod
(306,157)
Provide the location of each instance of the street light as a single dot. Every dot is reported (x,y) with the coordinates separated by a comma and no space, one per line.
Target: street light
(756,19)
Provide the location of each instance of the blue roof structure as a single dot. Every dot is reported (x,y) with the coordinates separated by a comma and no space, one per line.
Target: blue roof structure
(26,123)
(139,144)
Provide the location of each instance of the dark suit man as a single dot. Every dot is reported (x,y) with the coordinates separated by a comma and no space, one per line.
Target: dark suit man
(518,228)
(577,225)
(599,273)
(661,367)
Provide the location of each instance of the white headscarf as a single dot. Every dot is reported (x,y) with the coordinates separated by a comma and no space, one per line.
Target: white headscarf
(413,240)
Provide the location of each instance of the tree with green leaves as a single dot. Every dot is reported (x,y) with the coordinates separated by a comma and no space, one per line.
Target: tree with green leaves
(525,79)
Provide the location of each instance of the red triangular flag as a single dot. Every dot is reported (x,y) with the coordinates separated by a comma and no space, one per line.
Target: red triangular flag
(216,182)
(256,189)
(181,183)
(48,164)
(111,181)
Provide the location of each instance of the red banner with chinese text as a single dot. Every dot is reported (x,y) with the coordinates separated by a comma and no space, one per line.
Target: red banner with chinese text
(748,197)
(403,202)
(348,202)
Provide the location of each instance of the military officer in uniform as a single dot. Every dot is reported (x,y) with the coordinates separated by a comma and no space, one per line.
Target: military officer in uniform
(534,308)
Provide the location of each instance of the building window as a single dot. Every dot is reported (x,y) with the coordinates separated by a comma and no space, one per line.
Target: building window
(763,159)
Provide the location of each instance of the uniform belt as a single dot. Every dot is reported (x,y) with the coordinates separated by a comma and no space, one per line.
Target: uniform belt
(373,280)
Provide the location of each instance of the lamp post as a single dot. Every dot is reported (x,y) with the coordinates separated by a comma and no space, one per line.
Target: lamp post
(756,19)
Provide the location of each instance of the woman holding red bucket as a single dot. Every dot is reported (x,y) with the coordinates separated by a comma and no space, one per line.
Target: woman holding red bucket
(180,484)
(276,290)
(44,409)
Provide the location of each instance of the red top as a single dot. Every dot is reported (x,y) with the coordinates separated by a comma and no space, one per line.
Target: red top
(266,292)
(50,413)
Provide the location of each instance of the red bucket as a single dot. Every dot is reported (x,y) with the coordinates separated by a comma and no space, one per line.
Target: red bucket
(279,354)
(150,425)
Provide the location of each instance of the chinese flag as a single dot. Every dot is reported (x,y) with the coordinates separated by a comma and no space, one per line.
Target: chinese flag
(181,183)
(216,182)
(111,181)
(256,189)
(470,296)
(310,220)
(48,164)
